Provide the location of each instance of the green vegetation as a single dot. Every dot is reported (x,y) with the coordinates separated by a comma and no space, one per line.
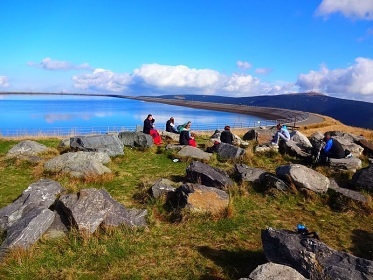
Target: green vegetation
(193,246)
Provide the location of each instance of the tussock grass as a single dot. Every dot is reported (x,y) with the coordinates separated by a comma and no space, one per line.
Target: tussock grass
(179,244)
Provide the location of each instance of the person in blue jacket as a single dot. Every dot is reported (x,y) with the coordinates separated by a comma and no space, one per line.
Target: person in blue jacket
(332,149)
(282,133)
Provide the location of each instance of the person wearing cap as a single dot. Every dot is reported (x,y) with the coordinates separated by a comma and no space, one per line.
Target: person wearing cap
(226,136)
(170,126)
(148,124)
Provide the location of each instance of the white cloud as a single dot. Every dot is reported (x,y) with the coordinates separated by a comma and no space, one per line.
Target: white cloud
(51,64)
(353,81)
(156,79)
(356,9)
(263,71)
(177,76)
(4,81)
(243,65)
(102,80)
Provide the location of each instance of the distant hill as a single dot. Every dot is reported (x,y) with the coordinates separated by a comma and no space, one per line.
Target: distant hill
(349,112)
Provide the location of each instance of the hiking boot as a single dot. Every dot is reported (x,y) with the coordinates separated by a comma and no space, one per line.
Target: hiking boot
(349,156)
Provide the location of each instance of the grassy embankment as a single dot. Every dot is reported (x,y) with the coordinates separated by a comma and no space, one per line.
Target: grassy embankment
(174,246)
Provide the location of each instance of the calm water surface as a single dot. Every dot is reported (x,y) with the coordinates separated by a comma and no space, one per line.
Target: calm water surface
(22,114)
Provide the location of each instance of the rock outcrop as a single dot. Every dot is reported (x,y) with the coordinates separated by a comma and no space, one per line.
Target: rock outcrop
(194,153)
(274,271)
(162,187)
(136,139)
(351,164)
(301,140)
(312,258)
(79,164)
(363,179)
(303,177)
(228,151)
(26,148)
(107,143)
(246,173)
(201,173)
(200,198)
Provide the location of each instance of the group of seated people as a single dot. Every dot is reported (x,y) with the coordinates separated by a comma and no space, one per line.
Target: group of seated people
(331,148)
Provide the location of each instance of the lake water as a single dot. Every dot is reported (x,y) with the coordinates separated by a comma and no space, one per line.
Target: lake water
(60,115)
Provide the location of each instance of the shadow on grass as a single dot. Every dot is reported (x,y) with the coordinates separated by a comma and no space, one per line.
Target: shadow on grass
(363,244)
(237,264)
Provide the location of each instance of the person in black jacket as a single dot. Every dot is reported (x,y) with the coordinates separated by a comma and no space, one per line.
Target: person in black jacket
(148,124)
(226,136)
(332,149)
(170,126)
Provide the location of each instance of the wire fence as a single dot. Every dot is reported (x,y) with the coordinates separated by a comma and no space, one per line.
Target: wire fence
(73,131)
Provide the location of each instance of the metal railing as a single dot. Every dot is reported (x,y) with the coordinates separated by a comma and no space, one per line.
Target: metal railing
(73,131)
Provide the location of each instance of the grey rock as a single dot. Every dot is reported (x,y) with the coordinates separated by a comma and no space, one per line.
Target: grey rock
(350,164)
(79,164)
(303,177)
(26,148)
(92,207)
(59,226)
(87,211)
(292,149)
(350,194)
(363,179)
(312,258)
(193,152)
(316,140)
(200,198)
(228,151)
(368,146)
(247,173)
(348,144)
(64,144)
(136,139)
(265,148)
(207,175)
(161,187)
(42,194)
(169,135)
(252,134)
(174,147)
(301,140)
(269,181)
(274,271)
(107,143)
(27,230)
(118,214)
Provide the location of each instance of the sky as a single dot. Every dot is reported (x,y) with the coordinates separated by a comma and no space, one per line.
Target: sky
(216,47)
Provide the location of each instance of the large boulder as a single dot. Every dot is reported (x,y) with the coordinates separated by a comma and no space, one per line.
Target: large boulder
(350,164)
(92,207)
(162,187)
(200,198)
(368,146)
(300,139)
(274,271)
(194,153)
(265,148)
(207,175)
(347,193)
(64,144)
(79,164)
(348,144)
(292,149)
(312,258)
(41,194)
(107,143)
(170,135)
(271,181)
(228,151)
(138,139)
(246,173)
(27,150)
(28,229)
(363,179)
(252,134)
(316,140)
(303,177)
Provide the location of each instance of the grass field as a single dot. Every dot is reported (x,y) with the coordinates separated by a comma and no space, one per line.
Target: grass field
(191,246)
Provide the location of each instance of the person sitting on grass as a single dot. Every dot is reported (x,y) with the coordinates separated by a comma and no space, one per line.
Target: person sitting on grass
(282,133)
(226,136)
(187,137)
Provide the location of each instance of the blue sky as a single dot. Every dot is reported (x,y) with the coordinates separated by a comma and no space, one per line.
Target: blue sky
(232,48)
